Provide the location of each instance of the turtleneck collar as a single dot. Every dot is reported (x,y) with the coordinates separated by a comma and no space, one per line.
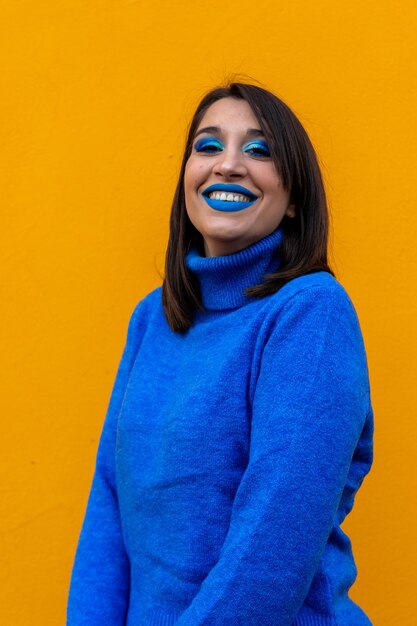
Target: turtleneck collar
(223,279)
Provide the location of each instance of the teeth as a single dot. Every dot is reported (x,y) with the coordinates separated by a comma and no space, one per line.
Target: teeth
(229,197)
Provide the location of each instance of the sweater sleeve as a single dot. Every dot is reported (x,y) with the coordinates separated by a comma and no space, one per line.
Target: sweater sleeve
(309,405)
(99,588)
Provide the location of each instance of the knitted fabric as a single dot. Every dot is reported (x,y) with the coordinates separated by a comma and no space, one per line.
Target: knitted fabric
(229,457)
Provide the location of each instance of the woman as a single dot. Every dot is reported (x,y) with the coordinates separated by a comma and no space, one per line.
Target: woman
(240,424)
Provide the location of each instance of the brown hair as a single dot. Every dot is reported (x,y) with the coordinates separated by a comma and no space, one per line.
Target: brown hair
(305,236)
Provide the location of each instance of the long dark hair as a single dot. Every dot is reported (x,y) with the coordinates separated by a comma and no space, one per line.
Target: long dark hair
(305,236)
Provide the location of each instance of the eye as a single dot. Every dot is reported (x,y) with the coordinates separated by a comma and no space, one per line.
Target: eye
(209,145)
(257,148)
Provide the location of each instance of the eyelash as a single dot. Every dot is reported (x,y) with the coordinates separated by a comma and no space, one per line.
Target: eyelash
(204,145)
(262,148)
(259,149)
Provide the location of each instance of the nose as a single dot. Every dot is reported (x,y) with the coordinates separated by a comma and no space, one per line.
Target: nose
(230,163)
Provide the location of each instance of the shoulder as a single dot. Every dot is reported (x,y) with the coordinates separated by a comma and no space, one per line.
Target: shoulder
(312,285)
(318,290)
(314,315)
(144,308)
(150,300)
(313,305)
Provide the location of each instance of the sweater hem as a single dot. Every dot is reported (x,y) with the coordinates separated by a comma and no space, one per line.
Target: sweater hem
(164,617)
(315,620)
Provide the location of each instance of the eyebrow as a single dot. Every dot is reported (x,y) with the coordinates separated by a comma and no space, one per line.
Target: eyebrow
(251,132)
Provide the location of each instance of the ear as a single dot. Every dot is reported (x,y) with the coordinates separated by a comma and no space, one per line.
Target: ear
(290,210)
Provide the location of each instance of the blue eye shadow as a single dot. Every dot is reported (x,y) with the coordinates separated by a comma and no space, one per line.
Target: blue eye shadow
(207,143)
(262,146)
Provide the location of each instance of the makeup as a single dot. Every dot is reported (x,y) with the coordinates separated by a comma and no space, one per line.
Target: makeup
(257,148)
(210,145)
(227,197)
(233,191)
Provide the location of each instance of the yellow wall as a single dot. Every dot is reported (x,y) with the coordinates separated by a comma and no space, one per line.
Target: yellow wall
(95,98)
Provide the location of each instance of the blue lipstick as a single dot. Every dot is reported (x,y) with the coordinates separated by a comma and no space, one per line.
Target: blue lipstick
(228,205)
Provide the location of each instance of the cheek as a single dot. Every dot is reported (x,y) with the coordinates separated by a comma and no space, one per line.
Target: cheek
(188,180)
(191,185)
(190,176)
(274,181)
(266,177)
(275,186)
(196,171)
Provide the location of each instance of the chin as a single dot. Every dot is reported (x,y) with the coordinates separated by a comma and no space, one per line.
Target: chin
(227,235)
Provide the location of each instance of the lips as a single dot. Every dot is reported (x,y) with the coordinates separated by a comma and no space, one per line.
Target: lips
(232,204)
(237,189)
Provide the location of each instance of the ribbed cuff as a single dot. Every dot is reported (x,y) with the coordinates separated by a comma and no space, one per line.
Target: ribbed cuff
(315,620)
(162,617)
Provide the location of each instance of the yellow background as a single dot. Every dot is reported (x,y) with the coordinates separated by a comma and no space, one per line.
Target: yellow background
(96,95)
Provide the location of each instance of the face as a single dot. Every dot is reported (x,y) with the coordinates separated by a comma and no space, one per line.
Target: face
(233,193)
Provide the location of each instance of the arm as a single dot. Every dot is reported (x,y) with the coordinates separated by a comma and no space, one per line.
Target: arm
(99,590)
(310,403)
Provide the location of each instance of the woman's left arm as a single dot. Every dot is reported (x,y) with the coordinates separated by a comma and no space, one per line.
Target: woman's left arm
(100,580)
(310,404)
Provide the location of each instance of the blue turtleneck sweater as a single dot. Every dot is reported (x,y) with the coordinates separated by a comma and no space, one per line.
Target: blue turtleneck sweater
(229,458)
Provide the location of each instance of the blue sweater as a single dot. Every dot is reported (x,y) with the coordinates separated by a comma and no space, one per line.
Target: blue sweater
(229,458)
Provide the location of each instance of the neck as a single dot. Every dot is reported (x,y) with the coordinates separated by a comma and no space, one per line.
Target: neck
(223,279)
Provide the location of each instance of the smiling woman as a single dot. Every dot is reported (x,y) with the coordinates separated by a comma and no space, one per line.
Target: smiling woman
(240,425)
(222,158)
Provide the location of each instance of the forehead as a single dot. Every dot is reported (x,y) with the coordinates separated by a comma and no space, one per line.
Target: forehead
(229,114)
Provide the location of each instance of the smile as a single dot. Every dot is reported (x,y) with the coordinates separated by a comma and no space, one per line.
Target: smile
(222,197)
